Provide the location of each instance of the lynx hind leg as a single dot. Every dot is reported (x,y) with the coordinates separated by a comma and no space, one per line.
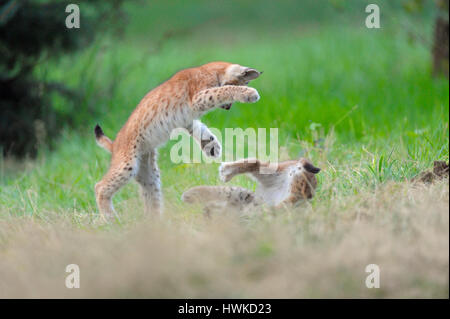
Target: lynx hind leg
(148,178)
(230,169)
(201,194)
(117,176)
(219,196)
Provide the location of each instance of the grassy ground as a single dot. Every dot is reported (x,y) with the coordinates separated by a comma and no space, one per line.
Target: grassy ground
(360,103)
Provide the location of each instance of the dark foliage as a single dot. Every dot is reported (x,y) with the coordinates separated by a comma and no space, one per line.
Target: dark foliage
(31,30)
(440,41)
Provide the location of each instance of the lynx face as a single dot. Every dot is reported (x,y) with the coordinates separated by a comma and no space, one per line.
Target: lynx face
(303,181)
(238,75)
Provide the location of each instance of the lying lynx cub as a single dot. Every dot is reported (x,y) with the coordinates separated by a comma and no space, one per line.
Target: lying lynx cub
(176,103)
(291,182)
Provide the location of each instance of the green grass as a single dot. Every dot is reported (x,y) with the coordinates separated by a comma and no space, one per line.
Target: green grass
(373,90)
(360,103)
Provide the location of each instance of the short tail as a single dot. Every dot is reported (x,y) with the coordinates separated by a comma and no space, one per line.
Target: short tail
(102,139)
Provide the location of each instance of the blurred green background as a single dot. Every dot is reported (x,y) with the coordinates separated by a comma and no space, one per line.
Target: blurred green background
(319,59)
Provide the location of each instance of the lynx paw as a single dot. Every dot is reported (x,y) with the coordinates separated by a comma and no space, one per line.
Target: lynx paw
(226,172)
(212,147)
(250,95)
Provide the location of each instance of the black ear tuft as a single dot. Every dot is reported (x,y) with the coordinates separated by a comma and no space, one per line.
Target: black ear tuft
(98,131)
(311,168)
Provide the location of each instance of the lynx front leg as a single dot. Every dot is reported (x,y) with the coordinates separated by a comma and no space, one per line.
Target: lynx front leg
(228,170)
(227,94)
(208,142)
(263,172)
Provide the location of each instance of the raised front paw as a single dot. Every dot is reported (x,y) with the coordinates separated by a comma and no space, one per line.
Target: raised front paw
(226,172)
(212,147)
(248,95)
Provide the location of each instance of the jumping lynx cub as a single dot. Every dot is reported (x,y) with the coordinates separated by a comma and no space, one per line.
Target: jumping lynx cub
(291,182)
(176,103)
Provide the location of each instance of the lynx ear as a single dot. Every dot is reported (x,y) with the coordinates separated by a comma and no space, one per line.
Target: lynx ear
(250,74)
(311,168)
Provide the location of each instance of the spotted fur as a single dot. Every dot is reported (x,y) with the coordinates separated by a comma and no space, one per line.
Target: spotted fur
(291,182)
(176,103)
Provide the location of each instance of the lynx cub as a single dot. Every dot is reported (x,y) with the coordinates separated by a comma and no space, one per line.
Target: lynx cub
(292,181)
(176,103)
